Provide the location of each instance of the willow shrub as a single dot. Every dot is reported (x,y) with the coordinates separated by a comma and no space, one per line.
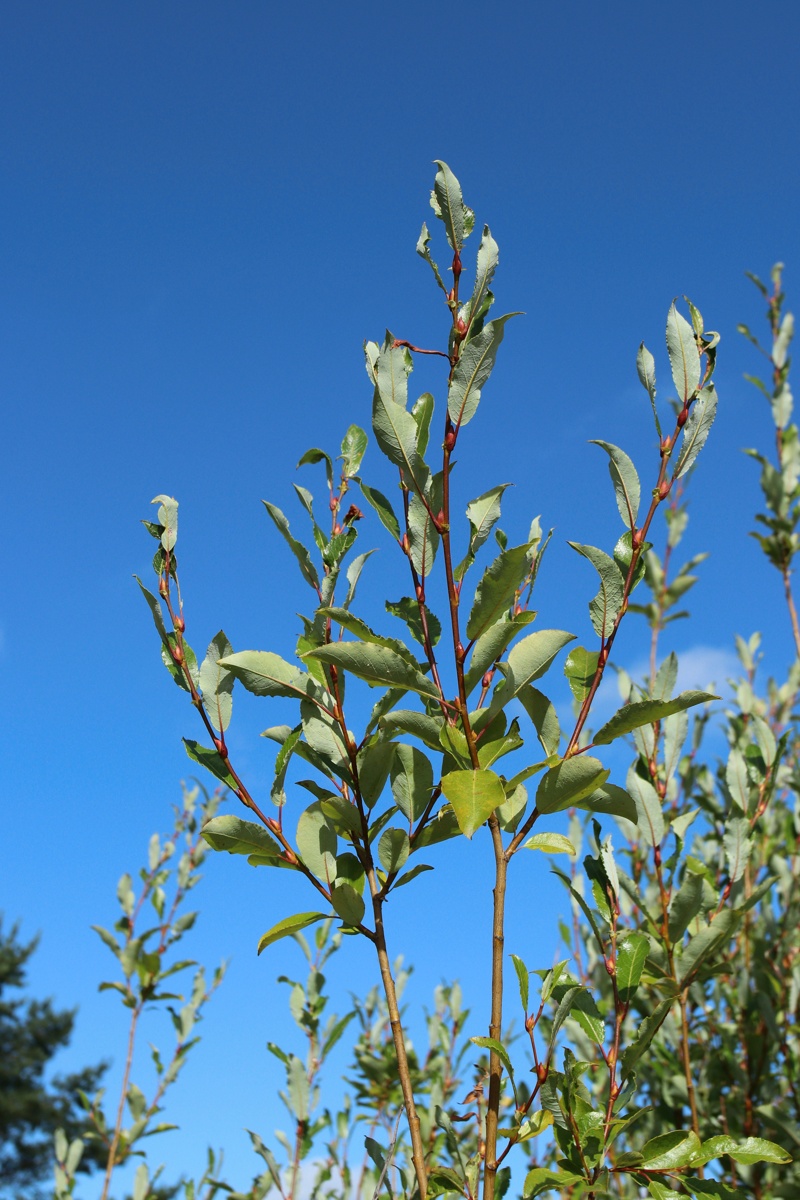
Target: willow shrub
(631,1037)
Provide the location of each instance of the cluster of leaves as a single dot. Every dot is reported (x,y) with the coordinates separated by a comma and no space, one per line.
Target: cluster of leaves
(381,799)
(148,961)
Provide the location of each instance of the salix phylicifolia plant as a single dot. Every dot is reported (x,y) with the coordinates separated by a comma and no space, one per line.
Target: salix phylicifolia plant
(381,800)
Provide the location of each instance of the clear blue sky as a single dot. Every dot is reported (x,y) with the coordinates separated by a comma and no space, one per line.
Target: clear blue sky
(205,209)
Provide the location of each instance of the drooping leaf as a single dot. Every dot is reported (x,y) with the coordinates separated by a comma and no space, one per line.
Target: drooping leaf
(289,926)
(361,630)
(423,535)
(473,369)
(423,251)
(542,713)
(626,482)
(474,796)
(609,798)
(307,568)
(408,610)
(212,760)
(570,782)
(647,712)
(317,842)
(156,610)
(313,456)
(377,665)
(348,904)
(488,1043)
(528,660)
(374,763)
(266,674)
(393,849)
(417,724)
(646,369)
(684,359)
(231,833)
(670,1151)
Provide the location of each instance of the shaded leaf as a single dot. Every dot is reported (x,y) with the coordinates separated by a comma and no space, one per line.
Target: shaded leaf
(289,926)
(474,796)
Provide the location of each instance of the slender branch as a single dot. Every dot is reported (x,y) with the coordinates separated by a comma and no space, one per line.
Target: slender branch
(111,1161)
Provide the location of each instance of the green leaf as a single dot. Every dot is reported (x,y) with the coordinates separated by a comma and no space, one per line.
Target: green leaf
(670,1151)
(738,847)
(473,370)
(361,630)
(483,514)
(542,1179)
(383,508)
(156,610)
(570,782)
(704,943)
(580,669)
(488,257)
(377,665)
(686,904)
(631,955)
(646,369)
(550,843)
(695,431)
(646,1031)
(522,976)
(307,568)
(412,874)
(529,659)
(496,590)
(440,828)
(488,1043)
(626,482)
(354,444)
(423,535)
(542,713)
(374,763)
(412,781)
(266,674)
(240,837)
(647,712)
(211,760)
(353,575)
(347,903)
(648,806)
(490,645)
(684,359)
(474,796)
(422,412)
(448,204)
(315,456)
(584,1010)
(216,683)
(289,926)
(424,252)
(317,841)
(408,610)
(393,849)
(417,724)
(395,428)
(609,798)
(168,517)
(297,1079)
(605,606)
(742,1150)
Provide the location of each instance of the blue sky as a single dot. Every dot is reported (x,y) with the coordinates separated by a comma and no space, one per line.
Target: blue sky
(206,209)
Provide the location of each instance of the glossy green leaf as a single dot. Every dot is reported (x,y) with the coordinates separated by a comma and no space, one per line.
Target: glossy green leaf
(374,763)
(488,1043)
(240,837)
(645,1032)
(313,456)
(647,712)
(685,906)
(440,828)
(695,431)
(704,943)
(417,724)
(448,204)
(609,798)
(354,445)
(550,843)
(289,926)
(627,488)
(742,1150)
(412,781)
(631,955)
(670,1151)
(570,782)
(684,359)
(360,629)
(542,1179)
(307,568)
(377,665)
(605,606)
(473,369)
(580,668)
(474,796)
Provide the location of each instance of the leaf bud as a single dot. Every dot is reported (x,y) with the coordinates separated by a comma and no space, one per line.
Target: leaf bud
(163,587)
(610,966)
(542,1072)
(450,440)
(177,654)
(180,624)
(683,417)
(222,749)
(420,593)
(664,488)
(486,682)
